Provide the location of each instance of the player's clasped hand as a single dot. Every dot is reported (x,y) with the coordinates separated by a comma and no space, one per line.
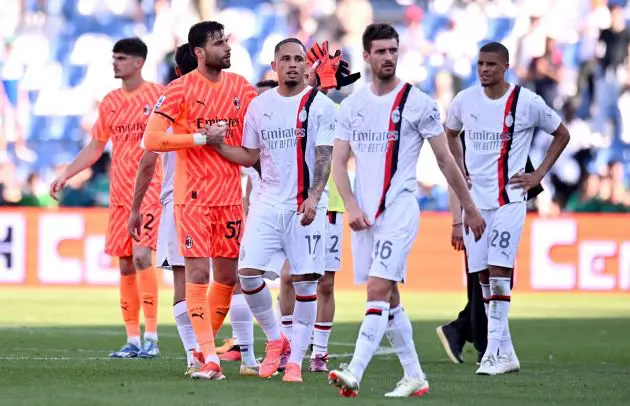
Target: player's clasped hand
(474,222)
(56,186)
(134,225)
(457,237)
(526,181)
(358,219)
(215,133)
(308,210)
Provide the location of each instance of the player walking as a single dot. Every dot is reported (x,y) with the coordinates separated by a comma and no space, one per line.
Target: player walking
(385,124)
(167,255)
(291,129)
(499,119)
(122,118)
(208,197)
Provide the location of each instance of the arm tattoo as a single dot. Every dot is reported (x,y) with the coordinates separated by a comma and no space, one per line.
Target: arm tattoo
(323,158)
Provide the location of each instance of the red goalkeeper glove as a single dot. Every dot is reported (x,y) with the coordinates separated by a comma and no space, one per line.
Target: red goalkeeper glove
(318,54)
(325,66)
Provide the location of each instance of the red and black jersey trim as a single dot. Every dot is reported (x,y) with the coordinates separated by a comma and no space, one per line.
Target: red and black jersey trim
(303,181)
(506,144)
(391,157)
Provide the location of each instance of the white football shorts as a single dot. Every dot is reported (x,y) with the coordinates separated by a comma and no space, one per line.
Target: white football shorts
(499,243)
(381,250)
(334,233)
(273,234)
(167,244)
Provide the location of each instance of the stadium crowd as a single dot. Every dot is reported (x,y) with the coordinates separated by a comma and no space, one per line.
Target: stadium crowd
(55,67)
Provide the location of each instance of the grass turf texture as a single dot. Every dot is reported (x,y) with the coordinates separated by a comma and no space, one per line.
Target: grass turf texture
(54,345)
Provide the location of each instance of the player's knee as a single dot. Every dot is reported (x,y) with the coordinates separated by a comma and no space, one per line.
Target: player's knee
(326,285)
(197,270)
(251,283)
(379,289)
(141,260)
(224,271)
(499,271)
(126,266)
(179,284)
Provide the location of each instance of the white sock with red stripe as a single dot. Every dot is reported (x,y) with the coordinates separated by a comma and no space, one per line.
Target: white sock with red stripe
(287,326)
(400,335)
(498,308)
(304,315)
(259,300)
(370,336)
(321,335)
(243,328)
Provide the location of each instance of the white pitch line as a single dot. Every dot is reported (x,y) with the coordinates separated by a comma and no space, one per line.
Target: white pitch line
(379,352)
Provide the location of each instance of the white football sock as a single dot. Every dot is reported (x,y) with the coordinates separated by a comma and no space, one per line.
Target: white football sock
(259,300)
(243,328)
(498,309)
(370,336)
(184,326)
(321,334)
(304,315)
(287,325)
(135,340)
(485,291)
(400,335)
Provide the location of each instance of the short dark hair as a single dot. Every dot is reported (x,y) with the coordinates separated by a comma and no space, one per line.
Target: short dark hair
(496,48)
(378,31)
(131,46)
(199,33)
(267,83)
(287,41)
(185,60)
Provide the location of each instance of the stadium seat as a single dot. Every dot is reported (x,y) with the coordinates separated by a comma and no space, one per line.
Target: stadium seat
(499,28)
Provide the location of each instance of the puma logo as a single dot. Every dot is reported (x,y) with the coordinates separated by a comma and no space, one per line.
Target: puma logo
(124,307)
(202,103)
(506,255)
(200,315)
(222,313)
(360,115)
(149,302)
(268,115)
(476,117)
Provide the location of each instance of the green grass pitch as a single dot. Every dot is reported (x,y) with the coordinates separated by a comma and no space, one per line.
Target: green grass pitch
(574,350)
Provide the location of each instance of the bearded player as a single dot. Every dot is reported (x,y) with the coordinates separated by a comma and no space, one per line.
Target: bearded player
(207,188)
(385,124)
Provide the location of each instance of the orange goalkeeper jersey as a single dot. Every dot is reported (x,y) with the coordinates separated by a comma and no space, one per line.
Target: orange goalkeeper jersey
(202,176)
(122,118)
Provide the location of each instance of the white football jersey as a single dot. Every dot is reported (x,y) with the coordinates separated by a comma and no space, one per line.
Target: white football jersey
(254,178)
(287,130)
(386,134)
(497,139)
(168,173)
